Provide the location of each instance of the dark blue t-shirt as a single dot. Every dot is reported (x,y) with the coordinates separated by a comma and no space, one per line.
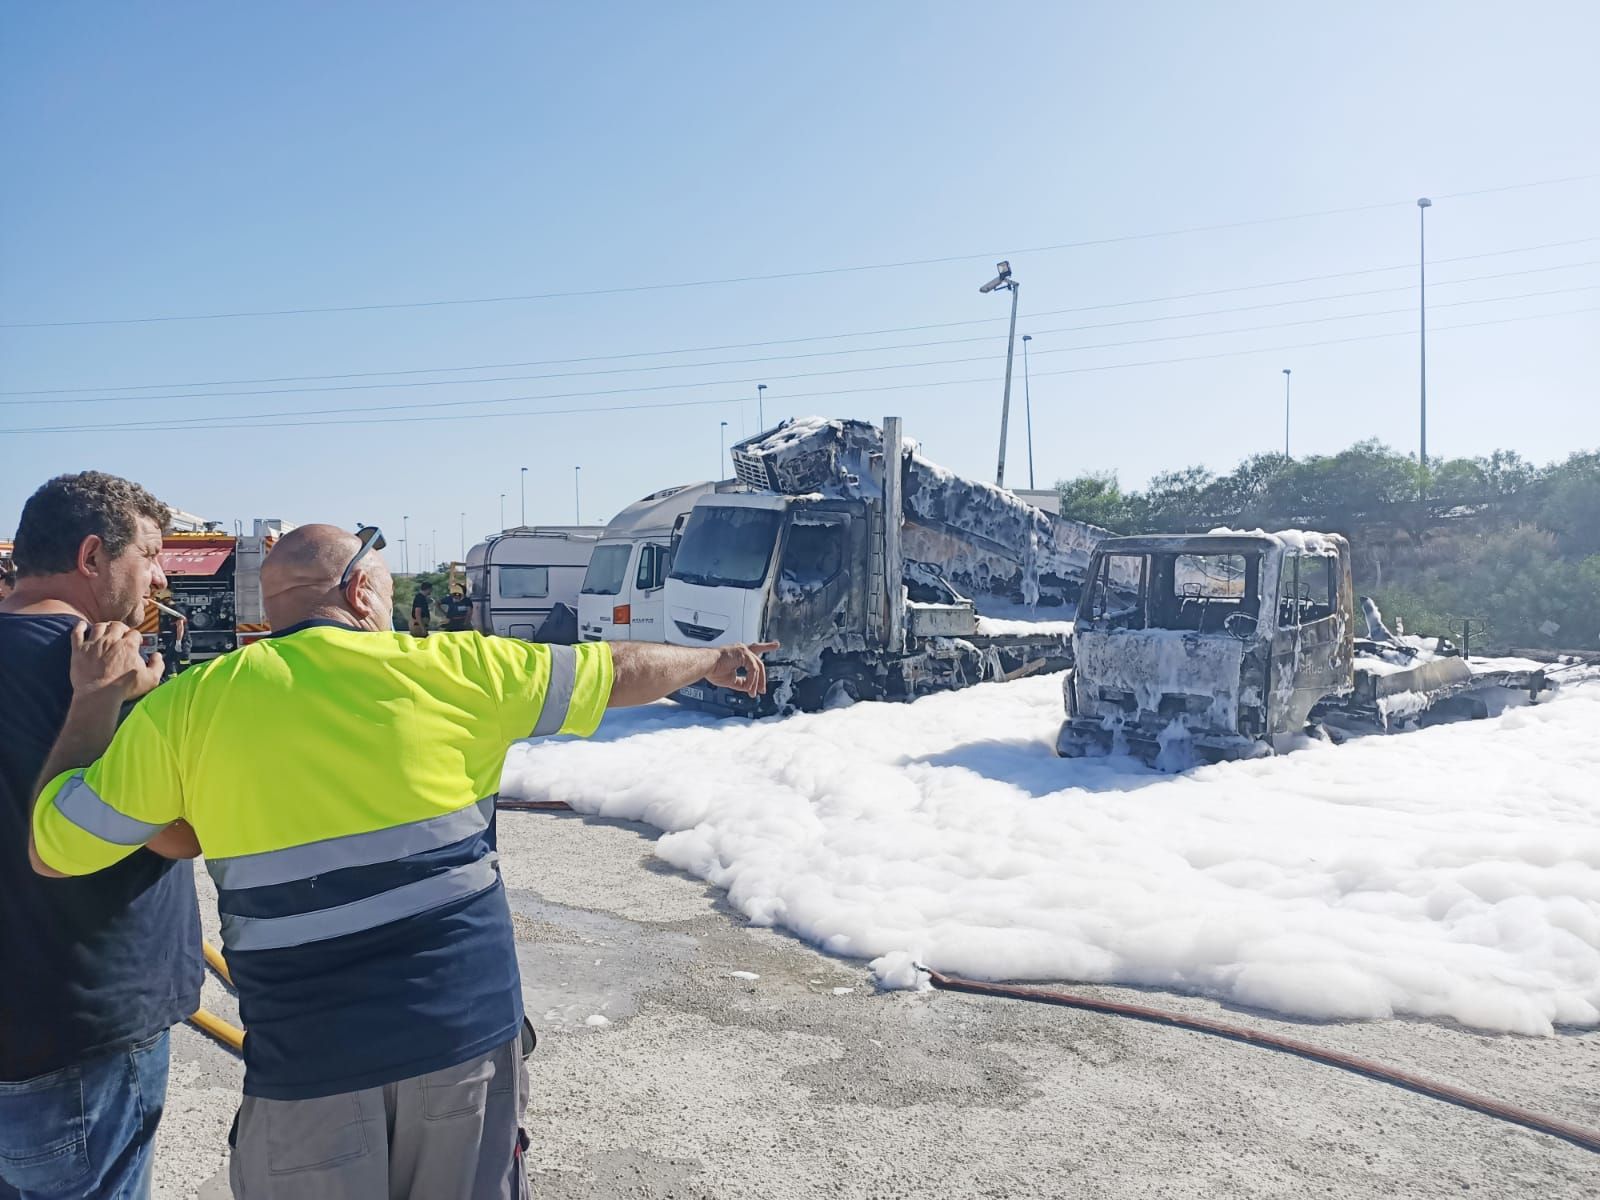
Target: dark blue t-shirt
(88,965)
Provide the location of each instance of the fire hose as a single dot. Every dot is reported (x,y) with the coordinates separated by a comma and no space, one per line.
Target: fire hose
(1588,1139)
(208,1022)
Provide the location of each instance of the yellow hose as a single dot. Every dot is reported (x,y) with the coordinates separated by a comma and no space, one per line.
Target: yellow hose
(209,1022)
(218,963)
(219,1029)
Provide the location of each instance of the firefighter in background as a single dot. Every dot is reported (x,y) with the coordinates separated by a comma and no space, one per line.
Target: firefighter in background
(457,610)
(172,636)
(422,609)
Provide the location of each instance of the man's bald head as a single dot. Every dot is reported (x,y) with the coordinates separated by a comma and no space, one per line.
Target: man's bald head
(300,580)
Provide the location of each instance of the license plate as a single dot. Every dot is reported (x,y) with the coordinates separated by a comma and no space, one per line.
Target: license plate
(693,693)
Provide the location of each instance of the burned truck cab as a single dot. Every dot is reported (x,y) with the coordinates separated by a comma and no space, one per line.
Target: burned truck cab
(1208,646)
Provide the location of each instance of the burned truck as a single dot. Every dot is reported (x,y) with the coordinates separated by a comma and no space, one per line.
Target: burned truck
(861,559)
(1227,645)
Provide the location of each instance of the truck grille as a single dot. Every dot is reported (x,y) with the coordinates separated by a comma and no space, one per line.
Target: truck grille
(700,633)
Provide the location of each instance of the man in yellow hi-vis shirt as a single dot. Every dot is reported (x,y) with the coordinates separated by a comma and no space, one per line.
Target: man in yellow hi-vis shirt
(340,779)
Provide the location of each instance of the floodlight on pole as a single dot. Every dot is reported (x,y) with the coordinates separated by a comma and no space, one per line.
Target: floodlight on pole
(577,496)
(502,512)
(761,408)
(722,457)
(524,478)
(463,537)
(405,536)
(1003,281)
(1286,412)
(1027,401)
(1423,205)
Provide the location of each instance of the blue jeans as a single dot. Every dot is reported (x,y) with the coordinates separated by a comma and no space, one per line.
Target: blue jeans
(87,1130)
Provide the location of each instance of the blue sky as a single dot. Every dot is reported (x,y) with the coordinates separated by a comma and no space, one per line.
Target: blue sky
(169,160)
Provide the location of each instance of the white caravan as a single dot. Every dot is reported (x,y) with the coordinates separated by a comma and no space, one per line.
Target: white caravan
(623,594)
(514,578)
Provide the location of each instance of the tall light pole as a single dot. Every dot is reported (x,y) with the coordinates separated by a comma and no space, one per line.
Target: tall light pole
(433,548)
(1286,412)
(405,536)
(1000,283)
(502,512)
(723,456)
(1027,401)
(577,497)
(761,408)
(1423,205)
(524,478)
(463,537)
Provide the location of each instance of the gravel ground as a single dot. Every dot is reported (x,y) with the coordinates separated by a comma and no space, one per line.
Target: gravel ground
(665,1070)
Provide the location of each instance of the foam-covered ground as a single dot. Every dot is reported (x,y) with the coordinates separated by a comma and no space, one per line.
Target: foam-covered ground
(1452,872)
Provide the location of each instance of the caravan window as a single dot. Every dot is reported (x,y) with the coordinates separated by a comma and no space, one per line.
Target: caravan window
(608,567)
(524,583)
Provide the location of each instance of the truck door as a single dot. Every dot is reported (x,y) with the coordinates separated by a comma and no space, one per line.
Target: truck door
(648,599)
(1308,649)
(811,604)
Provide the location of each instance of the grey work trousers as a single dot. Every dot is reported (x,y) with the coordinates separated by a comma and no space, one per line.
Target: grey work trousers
(448,1135)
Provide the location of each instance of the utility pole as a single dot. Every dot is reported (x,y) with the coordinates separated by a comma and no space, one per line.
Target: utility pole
(1422,301)
(1027,400)
(1286,412)
(1004,282)
(524,478)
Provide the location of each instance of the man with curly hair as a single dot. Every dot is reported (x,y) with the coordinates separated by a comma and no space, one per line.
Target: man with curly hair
(96,969)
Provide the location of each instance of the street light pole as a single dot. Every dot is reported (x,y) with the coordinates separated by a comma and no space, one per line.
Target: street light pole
(433,548)
(502,512)
(1286,412)
(524,478)
(1027,400)
(463,537)
(722,457)
(577,497)
(1422,302)
(761,408)
(405,536)
(1004,282)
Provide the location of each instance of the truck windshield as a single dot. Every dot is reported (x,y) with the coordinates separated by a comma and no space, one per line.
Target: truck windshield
(607,568)
(1193,592)
(726,546)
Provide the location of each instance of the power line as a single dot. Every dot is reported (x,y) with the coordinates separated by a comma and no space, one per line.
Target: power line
(200,424)
(350,387)
(778,275)
(792,376)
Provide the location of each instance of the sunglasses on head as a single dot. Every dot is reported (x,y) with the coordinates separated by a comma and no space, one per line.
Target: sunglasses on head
(371,539)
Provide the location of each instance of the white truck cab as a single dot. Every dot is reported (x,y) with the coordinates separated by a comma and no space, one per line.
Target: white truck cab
(623,597)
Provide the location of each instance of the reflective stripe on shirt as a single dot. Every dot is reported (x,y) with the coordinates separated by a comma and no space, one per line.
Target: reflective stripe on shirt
(352,850)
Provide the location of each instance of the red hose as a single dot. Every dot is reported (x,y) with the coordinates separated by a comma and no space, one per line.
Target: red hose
(1589,1139)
